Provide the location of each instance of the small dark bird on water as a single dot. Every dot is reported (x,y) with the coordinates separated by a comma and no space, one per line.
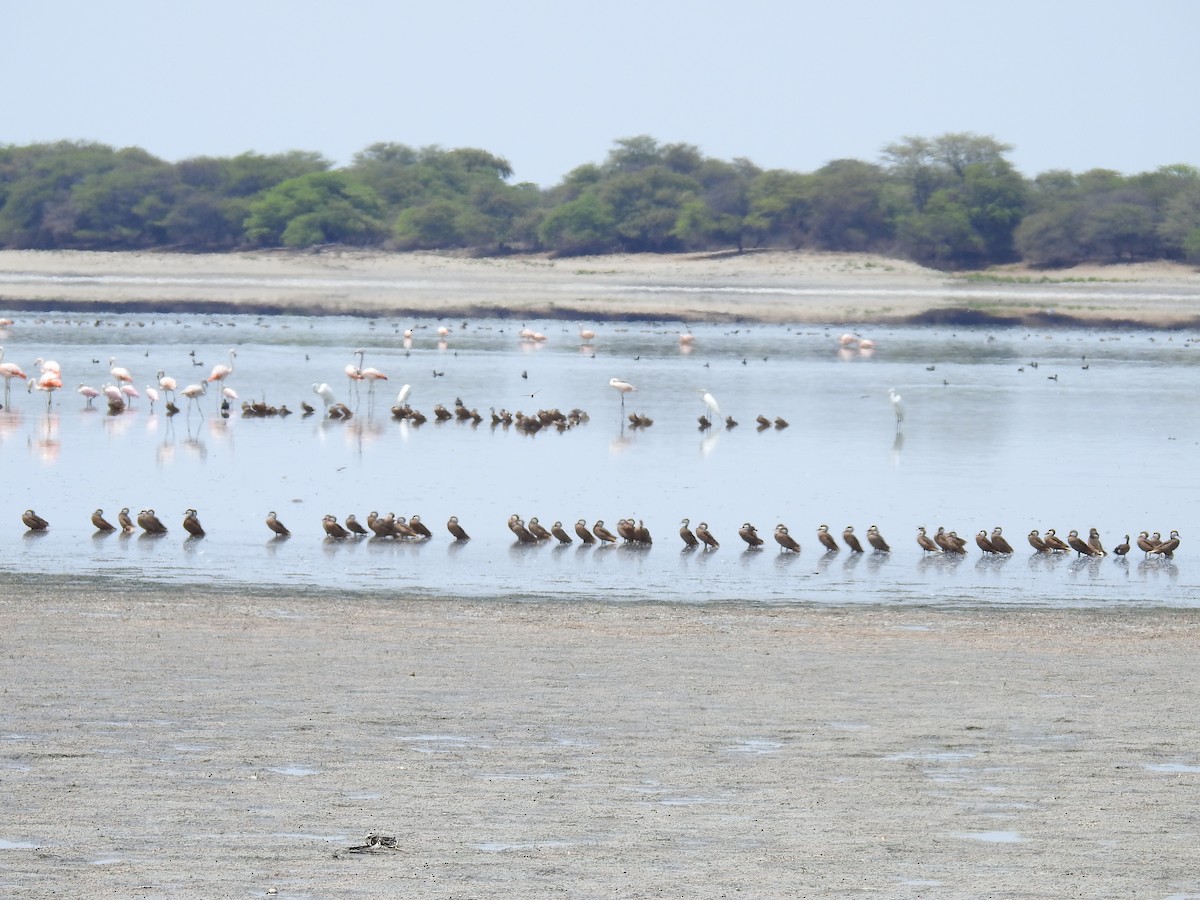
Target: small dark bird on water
(101,523)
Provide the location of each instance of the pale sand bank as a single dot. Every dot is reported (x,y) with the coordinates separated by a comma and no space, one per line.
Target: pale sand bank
(180,744)
(767,286)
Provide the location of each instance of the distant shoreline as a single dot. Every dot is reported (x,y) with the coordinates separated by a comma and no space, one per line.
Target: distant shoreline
(767,287)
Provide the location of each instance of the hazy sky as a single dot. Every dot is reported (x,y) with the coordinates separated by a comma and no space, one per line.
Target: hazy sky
(1072,84)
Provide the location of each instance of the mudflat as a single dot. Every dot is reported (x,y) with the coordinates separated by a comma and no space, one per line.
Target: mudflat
(769,286)
(184,743)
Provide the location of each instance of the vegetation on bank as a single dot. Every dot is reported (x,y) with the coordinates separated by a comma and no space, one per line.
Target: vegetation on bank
(952,202)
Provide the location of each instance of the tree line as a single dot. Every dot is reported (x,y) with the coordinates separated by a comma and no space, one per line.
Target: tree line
(952,202)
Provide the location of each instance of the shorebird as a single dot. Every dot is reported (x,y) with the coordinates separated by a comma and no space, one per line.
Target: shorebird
(191,523)
(785,540)
(538,530)
(685,533)
(517,527)
(1145,544)
(984,544)
(956,544)
(560,533)
(101,523)
(400,527)
(460,533)
(1054,542)
(926,542)
(1123,548)
(1094,542)
(875,539)
(641,533)
(706,537)
(851,539)
(1080,546)
(354,526)
(1036,542)
(998,541)
(276,526)
(749,534)
(333,528)
(581,529)
(826,539)
(415,523)
(1168,547)
(603,533)
(125,521)
(33,521)
(150,523)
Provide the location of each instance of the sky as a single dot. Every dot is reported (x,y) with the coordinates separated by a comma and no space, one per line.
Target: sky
(789,84)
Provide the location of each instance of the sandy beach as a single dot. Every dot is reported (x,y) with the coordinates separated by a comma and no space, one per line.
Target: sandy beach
(759,286)
(159,744)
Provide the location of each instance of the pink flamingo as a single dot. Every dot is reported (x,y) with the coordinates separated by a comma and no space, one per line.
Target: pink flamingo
(221,371)
(48,365)
(193,392)
(130,393)
(152,394)
(369,374)
(120,373)
(89,393)
(166,383)
(9,371)
(48,382)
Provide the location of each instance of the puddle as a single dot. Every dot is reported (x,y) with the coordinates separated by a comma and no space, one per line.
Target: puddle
(756,747)
(297,771)
(16,845)
(992,837)
(1171,768)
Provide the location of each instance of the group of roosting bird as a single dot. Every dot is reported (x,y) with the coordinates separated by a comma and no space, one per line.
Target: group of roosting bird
(631,532)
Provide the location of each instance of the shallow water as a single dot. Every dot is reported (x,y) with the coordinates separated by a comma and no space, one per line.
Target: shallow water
(982,444)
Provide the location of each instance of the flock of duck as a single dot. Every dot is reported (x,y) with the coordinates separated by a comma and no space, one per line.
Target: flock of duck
(630,532)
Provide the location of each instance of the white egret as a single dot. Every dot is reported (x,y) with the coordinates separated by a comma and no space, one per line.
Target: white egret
(897,407)
(402,397)
(711,402)
(325,392)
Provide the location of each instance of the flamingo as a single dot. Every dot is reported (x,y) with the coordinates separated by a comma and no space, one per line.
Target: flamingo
(120,373)
(166,383)
(221,371)
(622,388)
(116,400)
(370,374)
(89,393)
(48,382)
(131,393)
(9,371)
(48,365)
(193,392)
(152,394)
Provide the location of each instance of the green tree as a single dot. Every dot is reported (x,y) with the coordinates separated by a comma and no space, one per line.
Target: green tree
(318,208)
(585,224)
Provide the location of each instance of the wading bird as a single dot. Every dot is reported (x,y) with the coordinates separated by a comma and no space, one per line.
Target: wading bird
(749,534)
(875,539)
(581,529)
(897,407)
(622,388)
(705,536)
(191,523)
(851,539)
(685,533)
(460,533)
(826,539)
(88,393)
(101,523)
